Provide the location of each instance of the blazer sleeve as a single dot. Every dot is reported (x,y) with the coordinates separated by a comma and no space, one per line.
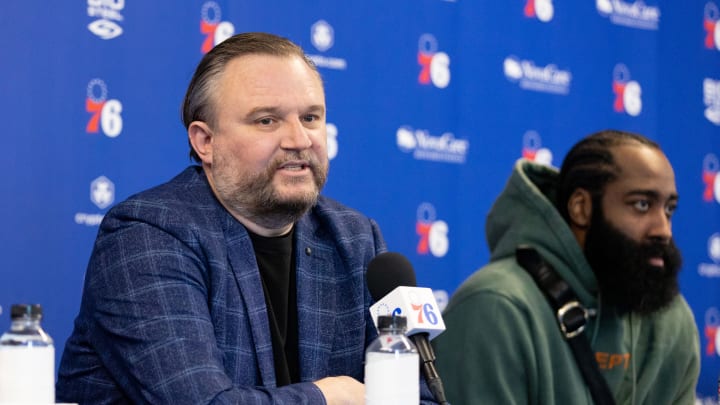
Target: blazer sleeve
(146,305)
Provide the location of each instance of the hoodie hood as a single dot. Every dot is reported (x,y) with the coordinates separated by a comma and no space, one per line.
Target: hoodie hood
(525,213)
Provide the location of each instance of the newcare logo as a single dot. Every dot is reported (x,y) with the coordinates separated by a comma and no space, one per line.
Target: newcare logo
(213,27)
(425,146)
(108,16)
(711,98)
(530,76)
(635,14)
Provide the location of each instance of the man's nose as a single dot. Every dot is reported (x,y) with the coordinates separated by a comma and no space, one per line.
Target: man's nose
(297,136)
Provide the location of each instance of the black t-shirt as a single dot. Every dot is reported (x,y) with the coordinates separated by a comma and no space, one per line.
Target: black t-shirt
(276,261)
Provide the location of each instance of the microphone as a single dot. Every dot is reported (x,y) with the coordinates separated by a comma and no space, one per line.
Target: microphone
(392,284)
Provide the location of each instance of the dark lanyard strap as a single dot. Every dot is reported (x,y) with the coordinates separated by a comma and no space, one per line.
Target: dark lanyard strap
(572,318)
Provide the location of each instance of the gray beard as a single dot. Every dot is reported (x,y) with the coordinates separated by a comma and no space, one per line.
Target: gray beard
(256,199)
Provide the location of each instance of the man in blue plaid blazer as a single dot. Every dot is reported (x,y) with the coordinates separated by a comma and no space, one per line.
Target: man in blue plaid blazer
(235,282)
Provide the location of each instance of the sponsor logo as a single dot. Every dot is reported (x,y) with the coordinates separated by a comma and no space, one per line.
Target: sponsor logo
(108,15)
(322,36)
(529,76)
(711,26)
(213,27)
(104,113)
(533,150)
(711,178)
(711,98)
(543,10)
(425,146)
(102,194)
(712,322)
(712,269)
(434,65)
(433,233)
(628,93)
(332,143)
(635,14)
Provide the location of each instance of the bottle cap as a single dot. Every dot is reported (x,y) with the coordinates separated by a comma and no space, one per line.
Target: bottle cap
(18,311)
(392,322)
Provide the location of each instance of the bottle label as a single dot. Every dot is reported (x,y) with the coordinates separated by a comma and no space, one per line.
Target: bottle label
(392,378)
(27,374)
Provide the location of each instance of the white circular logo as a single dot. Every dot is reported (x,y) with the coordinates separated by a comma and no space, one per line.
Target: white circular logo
(332,143)
(544,10)
(512,68)
(631,98)
(102,192)
(405,138)
(322,35)
(714,247)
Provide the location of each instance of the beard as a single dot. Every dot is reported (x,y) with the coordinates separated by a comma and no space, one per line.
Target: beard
(625,277)
(255,197)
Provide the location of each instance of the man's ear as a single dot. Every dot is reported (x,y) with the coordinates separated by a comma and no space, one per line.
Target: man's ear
(580,208)
(200,136)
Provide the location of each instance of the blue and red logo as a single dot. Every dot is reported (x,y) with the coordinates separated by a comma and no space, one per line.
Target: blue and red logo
(435,65)
(533,150)
(712,323)
(433,232)
(711,25)
(628,93)
(105,114)
(543,10)
(711,178)
(212,26)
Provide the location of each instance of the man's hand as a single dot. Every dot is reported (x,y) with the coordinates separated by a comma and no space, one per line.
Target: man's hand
(342,390)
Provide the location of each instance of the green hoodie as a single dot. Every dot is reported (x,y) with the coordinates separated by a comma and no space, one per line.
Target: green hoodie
(503,344)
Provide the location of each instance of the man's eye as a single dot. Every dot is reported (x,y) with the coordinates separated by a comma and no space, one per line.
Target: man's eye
(265,121)
(670,210)
(310,118)
(642,205)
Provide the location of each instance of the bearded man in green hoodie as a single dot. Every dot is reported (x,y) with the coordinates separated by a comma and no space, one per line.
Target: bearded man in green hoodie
(604,224)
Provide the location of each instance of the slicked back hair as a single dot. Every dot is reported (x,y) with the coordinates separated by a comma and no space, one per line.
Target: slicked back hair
(590,165)
(198,104)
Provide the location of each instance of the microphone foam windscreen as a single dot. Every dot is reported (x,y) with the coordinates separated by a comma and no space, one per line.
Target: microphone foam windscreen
(388,271)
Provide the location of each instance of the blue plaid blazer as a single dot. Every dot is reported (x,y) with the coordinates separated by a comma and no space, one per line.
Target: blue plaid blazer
(173,310)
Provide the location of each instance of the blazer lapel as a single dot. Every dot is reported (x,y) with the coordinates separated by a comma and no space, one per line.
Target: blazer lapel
(315,258)
(245,269)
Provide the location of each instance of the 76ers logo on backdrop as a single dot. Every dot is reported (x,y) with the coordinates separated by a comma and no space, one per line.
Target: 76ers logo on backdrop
(533,150)
(435,66)
(212,27)
(627,92)
(433,233)
(712,322)
(105,114)
(712,26)
(543,10)
(711,178)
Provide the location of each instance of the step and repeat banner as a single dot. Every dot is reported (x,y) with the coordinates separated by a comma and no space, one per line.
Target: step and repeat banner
(430,102)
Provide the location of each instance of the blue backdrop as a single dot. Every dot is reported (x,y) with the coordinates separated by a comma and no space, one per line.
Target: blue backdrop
(429,104)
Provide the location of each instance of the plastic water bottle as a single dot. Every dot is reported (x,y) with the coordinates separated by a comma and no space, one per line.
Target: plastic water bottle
(392,366)
(27,359)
